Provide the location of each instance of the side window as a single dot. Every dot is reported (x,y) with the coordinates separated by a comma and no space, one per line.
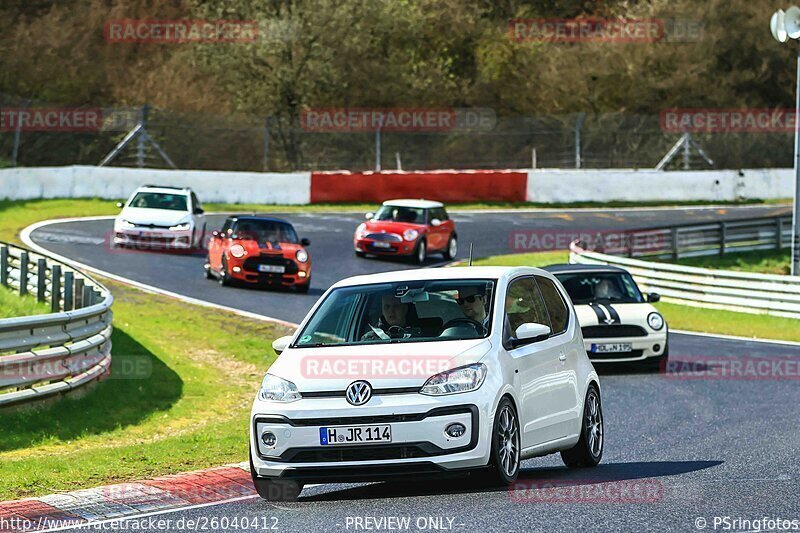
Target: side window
(559,313)
(444,215)
(196,202)
(226,228)
(523,303)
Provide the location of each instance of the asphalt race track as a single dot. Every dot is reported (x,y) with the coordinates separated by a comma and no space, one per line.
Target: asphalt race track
(679,450)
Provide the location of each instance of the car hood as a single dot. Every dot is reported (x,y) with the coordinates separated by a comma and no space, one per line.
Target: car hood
(631,313)
(388,226)
(160,217)
(333,368)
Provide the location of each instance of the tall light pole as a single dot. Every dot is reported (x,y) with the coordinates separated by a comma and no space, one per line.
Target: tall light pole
(785,26)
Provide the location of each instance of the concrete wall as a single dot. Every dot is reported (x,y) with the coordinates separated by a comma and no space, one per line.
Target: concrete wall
(648,185)
(113,182)
(544,185)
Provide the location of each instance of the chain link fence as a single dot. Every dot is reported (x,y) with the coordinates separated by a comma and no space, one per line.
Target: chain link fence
(260,143)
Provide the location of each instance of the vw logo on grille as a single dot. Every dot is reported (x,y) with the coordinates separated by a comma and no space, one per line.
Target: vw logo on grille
(358,392)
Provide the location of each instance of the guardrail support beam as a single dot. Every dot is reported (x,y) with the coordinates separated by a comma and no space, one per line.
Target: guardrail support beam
(4,266)
(78,293)
(55,289)
(69,293)
(23,273)
(723,236)
(41,279)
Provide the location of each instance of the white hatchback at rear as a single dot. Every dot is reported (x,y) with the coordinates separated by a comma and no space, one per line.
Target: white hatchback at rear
(427,372)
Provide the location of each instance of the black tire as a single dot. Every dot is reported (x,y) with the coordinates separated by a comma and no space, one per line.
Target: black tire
(303,289)
(360,253)
(589,449)
(452,248)
(504,468)
(420,252)
(275,490)
(209,274)
(659,364)
(224,279)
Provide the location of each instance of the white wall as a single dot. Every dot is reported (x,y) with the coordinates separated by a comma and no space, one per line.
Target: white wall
(560,185)
(113,182)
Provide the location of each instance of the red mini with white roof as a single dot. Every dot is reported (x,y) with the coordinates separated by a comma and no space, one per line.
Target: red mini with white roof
(412,228)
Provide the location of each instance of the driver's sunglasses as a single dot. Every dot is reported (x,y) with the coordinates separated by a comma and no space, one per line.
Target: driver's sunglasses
(470,299)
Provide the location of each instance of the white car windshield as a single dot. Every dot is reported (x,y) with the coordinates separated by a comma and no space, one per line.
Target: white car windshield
(407,311)
(159,200)
(587,287)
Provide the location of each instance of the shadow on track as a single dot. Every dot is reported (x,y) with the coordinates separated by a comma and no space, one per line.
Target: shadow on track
(563,477)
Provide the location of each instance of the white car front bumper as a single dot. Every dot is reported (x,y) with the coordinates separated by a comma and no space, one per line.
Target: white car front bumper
(153,238)
(419,443)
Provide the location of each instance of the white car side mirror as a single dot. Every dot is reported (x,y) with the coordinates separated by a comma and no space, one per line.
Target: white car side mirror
(531,330)
(436,222)
(280,344)
(369,216)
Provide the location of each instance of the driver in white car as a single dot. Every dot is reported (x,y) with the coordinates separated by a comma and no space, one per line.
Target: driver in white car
(394,321)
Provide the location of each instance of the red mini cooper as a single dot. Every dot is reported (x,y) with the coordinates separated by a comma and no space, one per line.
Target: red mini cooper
(259,250)
(413,228)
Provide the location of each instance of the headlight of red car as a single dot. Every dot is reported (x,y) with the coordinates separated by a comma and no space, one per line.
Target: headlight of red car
(237,250)
(361,231)
(301,255)
(410,234)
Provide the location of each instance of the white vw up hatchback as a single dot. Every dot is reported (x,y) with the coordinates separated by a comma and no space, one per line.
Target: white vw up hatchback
(424,372)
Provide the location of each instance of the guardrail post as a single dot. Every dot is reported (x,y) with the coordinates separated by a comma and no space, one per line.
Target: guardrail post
(675,244)
(23,273)
(41,278)
(723,236)
(55,289)
(79,293)
(4,266)
(69,290)
(778,233)
(87,296)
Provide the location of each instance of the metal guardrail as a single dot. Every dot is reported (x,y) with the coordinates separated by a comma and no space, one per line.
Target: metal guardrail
(703,287)
(42,355)
(691,240)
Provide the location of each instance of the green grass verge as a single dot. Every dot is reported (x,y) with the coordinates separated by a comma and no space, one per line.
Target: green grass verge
(183,379)
(12,304)
(678,316)
(764,261)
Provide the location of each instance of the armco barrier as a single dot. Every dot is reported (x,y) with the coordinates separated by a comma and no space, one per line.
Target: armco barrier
(48,354)
(703,287)
(442,185)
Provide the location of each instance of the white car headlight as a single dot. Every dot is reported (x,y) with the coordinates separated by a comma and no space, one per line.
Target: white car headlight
(126,224)
(464,379)
(301,256)
(361,231)
(178,227)
(410,234)
(237,250)
(275,389)
(655,321)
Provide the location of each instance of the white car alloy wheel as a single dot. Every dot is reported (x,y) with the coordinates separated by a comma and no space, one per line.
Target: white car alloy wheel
(507,442)
(589,449)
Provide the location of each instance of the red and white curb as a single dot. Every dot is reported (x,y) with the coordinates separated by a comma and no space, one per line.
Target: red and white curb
(71,509)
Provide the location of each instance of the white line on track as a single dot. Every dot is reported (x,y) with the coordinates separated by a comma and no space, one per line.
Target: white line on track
(95,523)
(734,337)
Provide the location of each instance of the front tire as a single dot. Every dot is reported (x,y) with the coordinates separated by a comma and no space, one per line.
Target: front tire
(452,248)
(504,459)
(275,490)
(589,449)
(421,252)
(303,289)
(359,253)
(224,279)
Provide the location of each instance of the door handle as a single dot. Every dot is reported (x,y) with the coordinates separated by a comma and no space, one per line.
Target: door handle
(562,356)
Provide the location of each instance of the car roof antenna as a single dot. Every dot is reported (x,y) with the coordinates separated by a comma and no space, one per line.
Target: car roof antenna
(470,254)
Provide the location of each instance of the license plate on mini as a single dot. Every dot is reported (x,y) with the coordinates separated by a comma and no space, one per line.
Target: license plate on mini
(272,269)
(379,434)
(619,347)
(381,245)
